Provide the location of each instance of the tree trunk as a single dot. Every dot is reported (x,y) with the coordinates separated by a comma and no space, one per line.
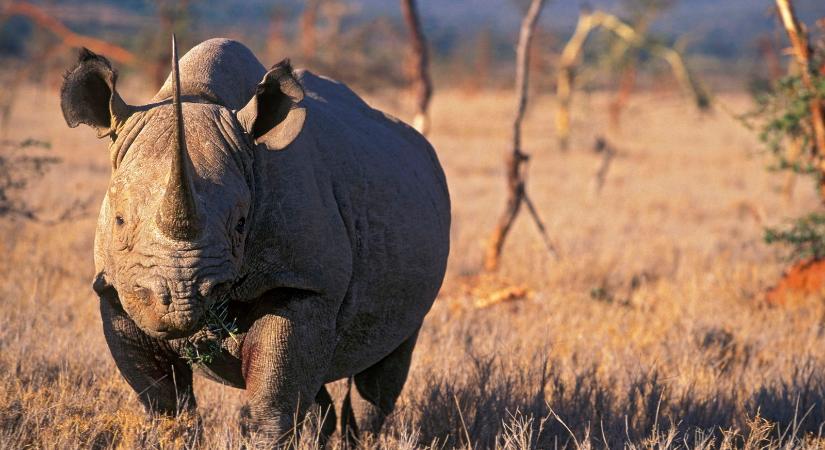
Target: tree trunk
(627,82)
(517,159)
(802,53)
(418,66)
(564,80)
(309,19)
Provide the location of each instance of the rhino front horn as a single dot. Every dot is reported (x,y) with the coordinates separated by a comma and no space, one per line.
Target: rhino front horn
(178,214)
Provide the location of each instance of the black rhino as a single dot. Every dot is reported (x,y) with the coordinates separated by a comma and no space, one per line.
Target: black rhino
(276,198)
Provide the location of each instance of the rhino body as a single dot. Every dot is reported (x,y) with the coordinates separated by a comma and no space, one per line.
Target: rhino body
(319,225)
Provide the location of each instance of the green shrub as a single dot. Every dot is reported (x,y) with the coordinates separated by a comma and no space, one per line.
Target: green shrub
(805,236)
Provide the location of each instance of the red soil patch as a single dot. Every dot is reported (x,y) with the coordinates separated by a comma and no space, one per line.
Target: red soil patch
(801,281)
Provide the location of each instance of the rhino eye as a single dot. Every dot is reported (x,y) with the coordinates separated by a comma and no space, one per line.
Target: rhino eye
(119,220)
(241,224)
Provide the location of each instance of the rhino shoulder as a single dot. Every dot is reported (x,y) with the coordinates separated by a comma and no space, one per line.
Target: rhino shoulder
(336,98)
(329,91)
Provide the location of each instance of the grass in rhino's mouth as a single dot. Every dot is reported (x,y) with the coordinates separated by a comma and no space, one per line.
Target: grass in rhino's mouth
(203,346)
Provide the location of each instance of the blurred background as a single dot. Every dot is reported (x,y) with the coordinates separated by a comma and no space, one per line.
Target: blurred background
(662,286)
(360,41)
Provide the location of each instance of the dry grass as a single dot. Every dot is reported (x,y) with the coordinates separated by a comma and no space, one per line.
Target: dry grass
(649,332)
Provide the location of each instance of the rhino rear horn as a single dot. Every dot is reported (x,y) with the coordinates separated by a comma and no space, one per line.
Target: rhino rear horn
(89,95)
(273,114)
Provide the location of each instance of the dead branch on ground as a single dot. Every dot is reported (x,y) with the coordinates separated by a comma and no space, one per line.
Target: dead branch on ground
(517,159)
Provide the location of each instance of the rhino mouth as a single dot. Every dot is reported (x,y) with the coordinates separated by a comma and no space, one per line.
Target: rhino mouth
(181,319)
(179,324)
(171,319)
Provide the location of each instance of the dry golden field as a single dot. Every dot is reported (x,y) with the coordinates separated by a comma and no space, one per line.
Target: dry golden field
(649,331)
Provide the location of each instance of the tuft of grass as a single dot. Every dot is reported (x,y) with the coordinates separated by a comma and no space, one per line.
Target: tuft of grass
(203,347)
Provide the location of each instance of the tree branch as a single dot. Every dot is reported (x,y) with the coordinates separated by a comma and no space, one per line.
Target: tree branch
(67,36)
(802,52)
(590,20)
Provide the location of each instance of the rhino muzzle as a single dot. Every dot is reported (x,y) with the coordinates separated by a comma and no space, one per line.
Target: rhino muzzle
(165,314)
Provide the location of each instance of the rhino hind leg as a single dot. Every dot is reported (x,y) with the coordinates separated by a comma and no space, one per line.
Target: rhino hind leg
(377,389)
(326,410)
(161,379)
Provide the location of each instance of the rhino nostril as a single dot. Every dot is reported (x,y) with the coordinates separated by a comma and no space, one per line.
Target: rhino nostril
(165,299)
(142,293)
(149,296)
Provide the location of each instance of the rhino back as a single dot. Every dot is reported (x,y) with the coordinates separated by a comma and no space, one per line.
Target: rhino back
(356,208)
(219,70)
(391,195)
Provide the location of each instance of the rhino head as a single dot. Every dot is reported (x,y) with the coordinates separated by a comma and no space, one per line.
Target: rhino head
(174,223)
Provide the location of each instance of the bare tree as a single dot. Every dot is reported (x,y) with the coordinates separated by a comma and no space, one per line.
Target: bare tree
(483,59)
(769,53)
(275,36)
(590,20)
(309,36)
(627,59)
(333,13)
(517,160)
(418,67)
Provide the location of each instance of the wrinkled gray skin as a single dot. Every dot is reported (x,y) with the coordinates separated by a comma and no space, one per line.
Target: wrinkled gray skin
(323,222)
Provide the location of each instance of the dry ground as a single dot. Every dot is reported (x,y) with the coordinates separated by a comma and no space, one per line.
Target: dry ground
(649,331)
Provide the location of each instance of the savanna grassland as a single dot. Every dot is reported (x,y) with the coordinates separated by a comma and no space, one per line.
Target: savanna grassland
(649,331)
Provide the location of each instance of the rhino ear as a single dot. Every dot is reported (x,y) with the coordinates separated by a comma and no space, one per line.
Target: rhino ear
(88,94)
(273,115)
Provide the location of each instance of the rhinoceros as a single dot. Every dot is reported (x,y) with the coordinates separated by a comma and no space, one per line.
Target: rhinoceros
(271,220)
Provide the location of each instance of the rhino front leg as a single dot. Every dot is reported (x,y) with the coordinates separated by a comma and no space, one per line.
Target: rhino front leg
(285,357)
(161,379)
